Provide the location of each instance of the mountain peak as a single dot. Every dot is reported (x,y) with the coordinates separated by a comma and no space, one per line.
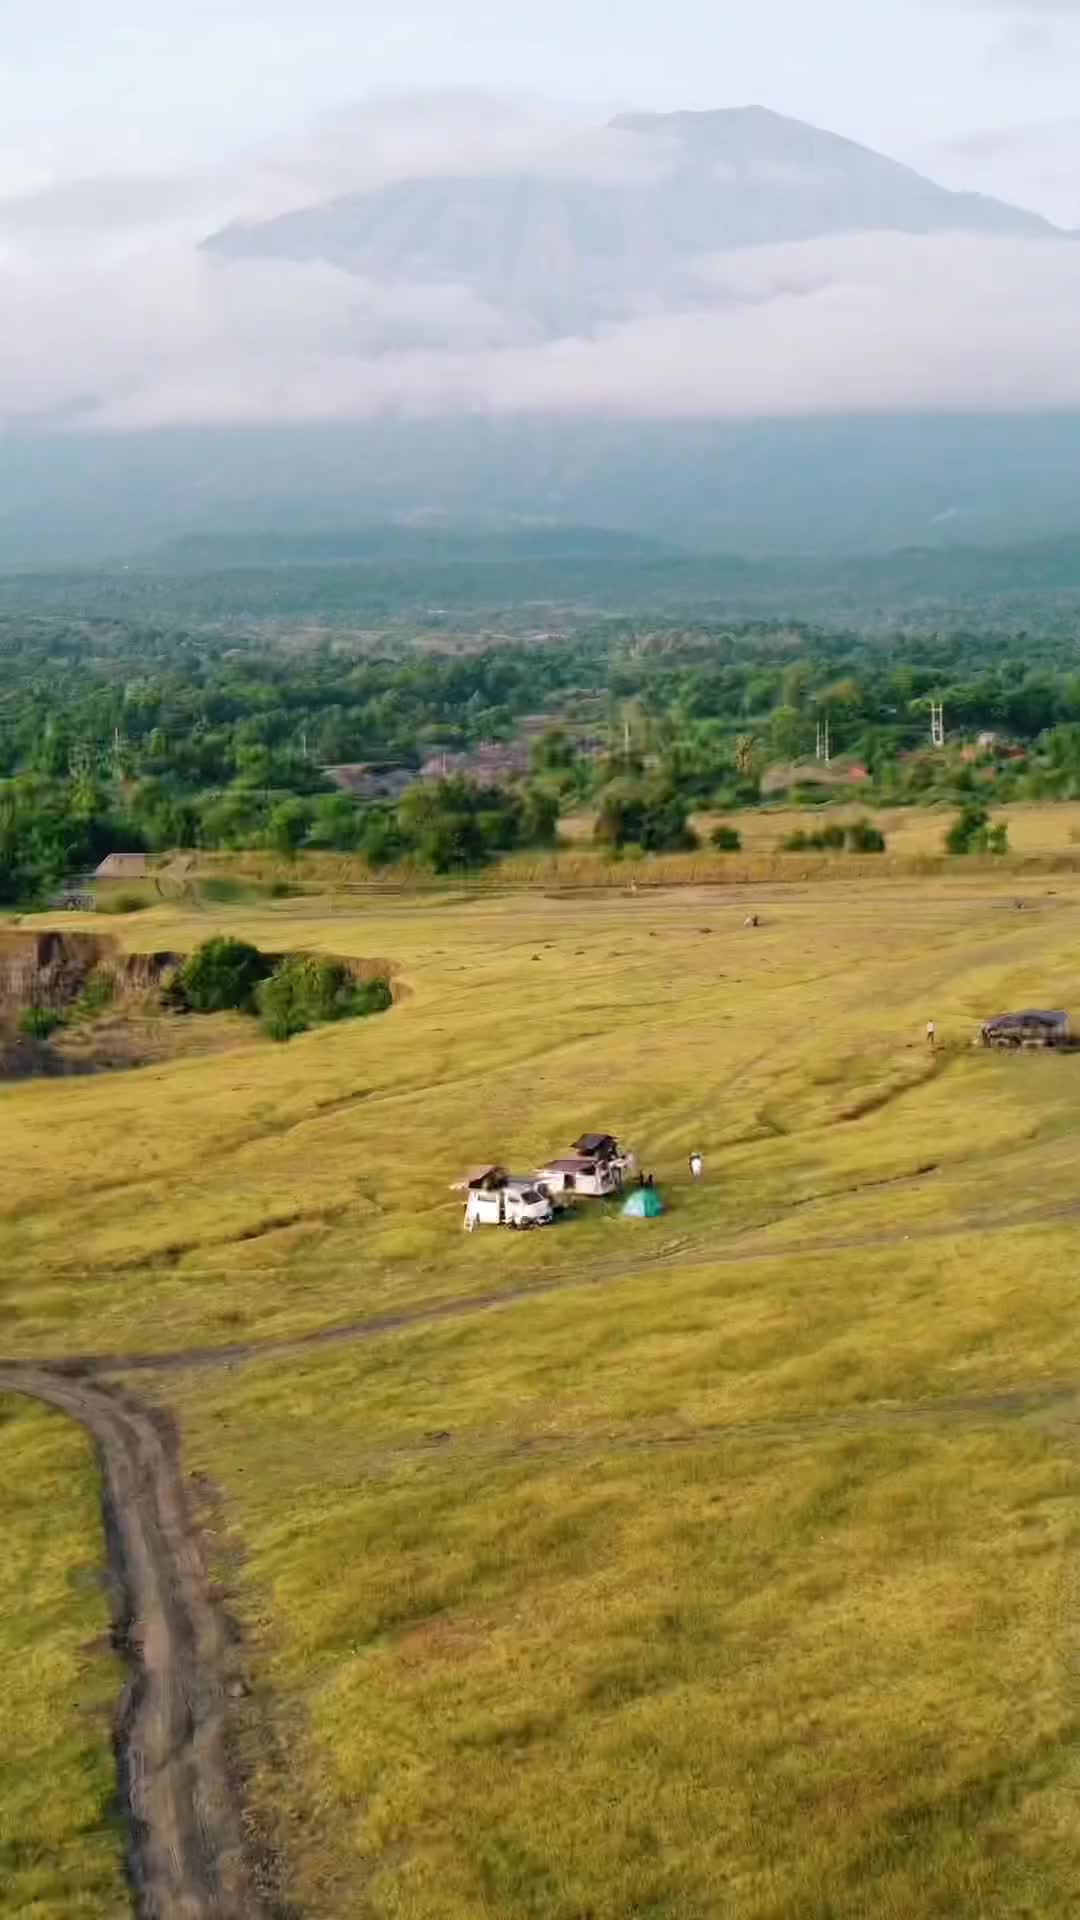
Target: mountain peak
(551,253)
(688,118)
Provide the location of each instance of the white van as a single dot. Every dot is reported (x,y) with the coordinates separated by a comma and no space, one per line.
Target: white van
(517,1204)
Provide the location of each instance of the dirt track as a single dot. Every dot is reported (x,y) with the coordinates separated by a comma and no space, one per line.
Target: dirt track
(185,1851)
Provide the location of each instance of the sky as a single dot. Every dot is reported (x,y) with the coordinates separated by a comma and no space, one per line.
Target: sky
(981,89)
(128,132)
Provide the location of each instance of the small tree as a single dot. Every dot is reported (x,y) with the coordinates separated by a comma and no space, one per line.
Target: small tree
(539,815)
(287,828)
(971,832)
(222,975)
(968,827)
(726,840)
(644,813)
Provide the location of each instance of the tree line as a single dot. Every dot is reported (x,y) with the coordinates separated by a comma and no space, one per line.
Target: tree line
(129,735)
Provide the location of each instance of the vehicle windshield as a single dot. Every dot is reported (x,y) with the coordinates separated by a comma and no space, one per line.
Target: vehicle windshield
(531,1197)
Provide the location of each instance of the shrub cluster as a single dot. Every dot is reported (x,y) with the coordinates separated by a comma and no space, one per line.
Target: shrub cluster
(307,990)
(860,837)
(291,995)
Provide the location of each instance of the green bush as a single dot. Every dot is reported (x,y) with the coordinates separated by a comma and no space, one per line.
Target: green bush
(864,837)
(309,990)
(971,832)
(39,1022)
(222,976)
(726,840)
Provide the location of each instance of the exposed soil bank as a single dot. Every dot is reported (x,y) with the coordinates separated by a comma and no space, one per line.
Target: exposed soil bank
(108,1006)
(51,969)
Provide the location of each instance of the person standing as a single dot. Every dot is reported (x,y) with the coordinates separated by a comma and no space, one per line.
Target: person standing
(697,1166)
(931,1035)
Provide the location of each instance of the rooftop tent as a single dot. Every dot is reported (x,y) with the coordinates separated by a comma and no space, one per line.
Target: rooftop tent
(597,1145)
(644,1204)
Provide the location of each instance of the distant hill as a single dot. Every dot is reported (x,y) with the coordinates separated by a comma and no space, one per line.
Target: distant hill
(557,255)
(817,486)
(413,580)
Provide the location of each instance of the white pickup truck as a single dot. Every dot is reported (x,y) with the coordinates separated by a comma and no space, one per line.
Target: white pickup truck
(517,1204)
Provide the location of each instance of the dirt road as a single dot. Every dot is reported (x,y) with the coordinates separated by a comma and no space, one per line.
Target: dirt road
(185,1850)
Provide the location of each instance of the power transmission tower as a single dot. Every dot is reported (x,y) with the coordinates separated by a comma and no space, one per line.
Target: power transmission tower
(937,723)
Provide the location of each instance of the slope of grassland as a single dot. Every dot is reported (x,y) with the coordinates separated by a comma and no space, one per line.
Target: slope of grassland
(277,1190)
(60,1845)
(730,1567)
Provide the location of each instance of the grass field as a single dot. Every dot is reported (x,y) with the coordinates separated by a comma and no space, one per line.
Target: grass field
(270,1191)
(589,1655)
(59,1843)
(910,832)
(732,1568)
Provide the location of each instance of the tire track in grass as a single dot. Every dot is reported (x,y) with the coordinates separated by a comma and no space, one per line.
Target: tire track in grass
(186,1856)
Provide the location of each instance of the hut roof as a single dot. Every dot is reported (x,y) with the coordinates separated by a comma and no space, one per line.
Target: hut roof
(122,866)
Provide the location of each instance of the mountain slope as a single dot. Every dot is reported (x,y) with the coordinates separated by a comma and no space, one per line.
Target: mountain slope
(551,254)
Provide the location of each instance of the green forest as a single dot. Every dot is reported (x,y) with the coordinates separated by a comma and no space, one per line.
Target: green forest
(127,733)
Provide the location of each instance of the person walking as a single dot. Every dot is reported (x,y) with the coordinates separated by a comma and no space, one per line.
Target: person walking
(697,1166)
(931,1035)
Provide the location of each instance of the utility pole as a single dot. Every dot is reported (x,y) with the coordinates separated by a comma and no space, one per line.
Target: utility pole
(937,723)
(824,742)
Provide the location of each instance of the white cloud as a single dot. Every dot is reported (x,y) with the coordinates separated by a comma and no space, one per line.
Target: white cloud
(111,316)
(881,322)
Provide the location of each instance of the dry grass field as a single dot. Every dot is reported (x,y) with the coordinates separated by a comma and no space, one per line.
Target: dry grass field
(723,1564)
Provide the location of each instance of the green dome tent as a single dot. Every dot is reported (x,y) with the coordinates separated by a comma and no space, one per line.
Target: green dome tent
(644,1204)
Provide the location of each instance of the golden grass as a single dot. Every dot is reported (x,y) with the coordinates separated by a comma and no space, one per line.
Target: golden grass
(271,1189)
(736,1574)
(60,1848)
(647,1602)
